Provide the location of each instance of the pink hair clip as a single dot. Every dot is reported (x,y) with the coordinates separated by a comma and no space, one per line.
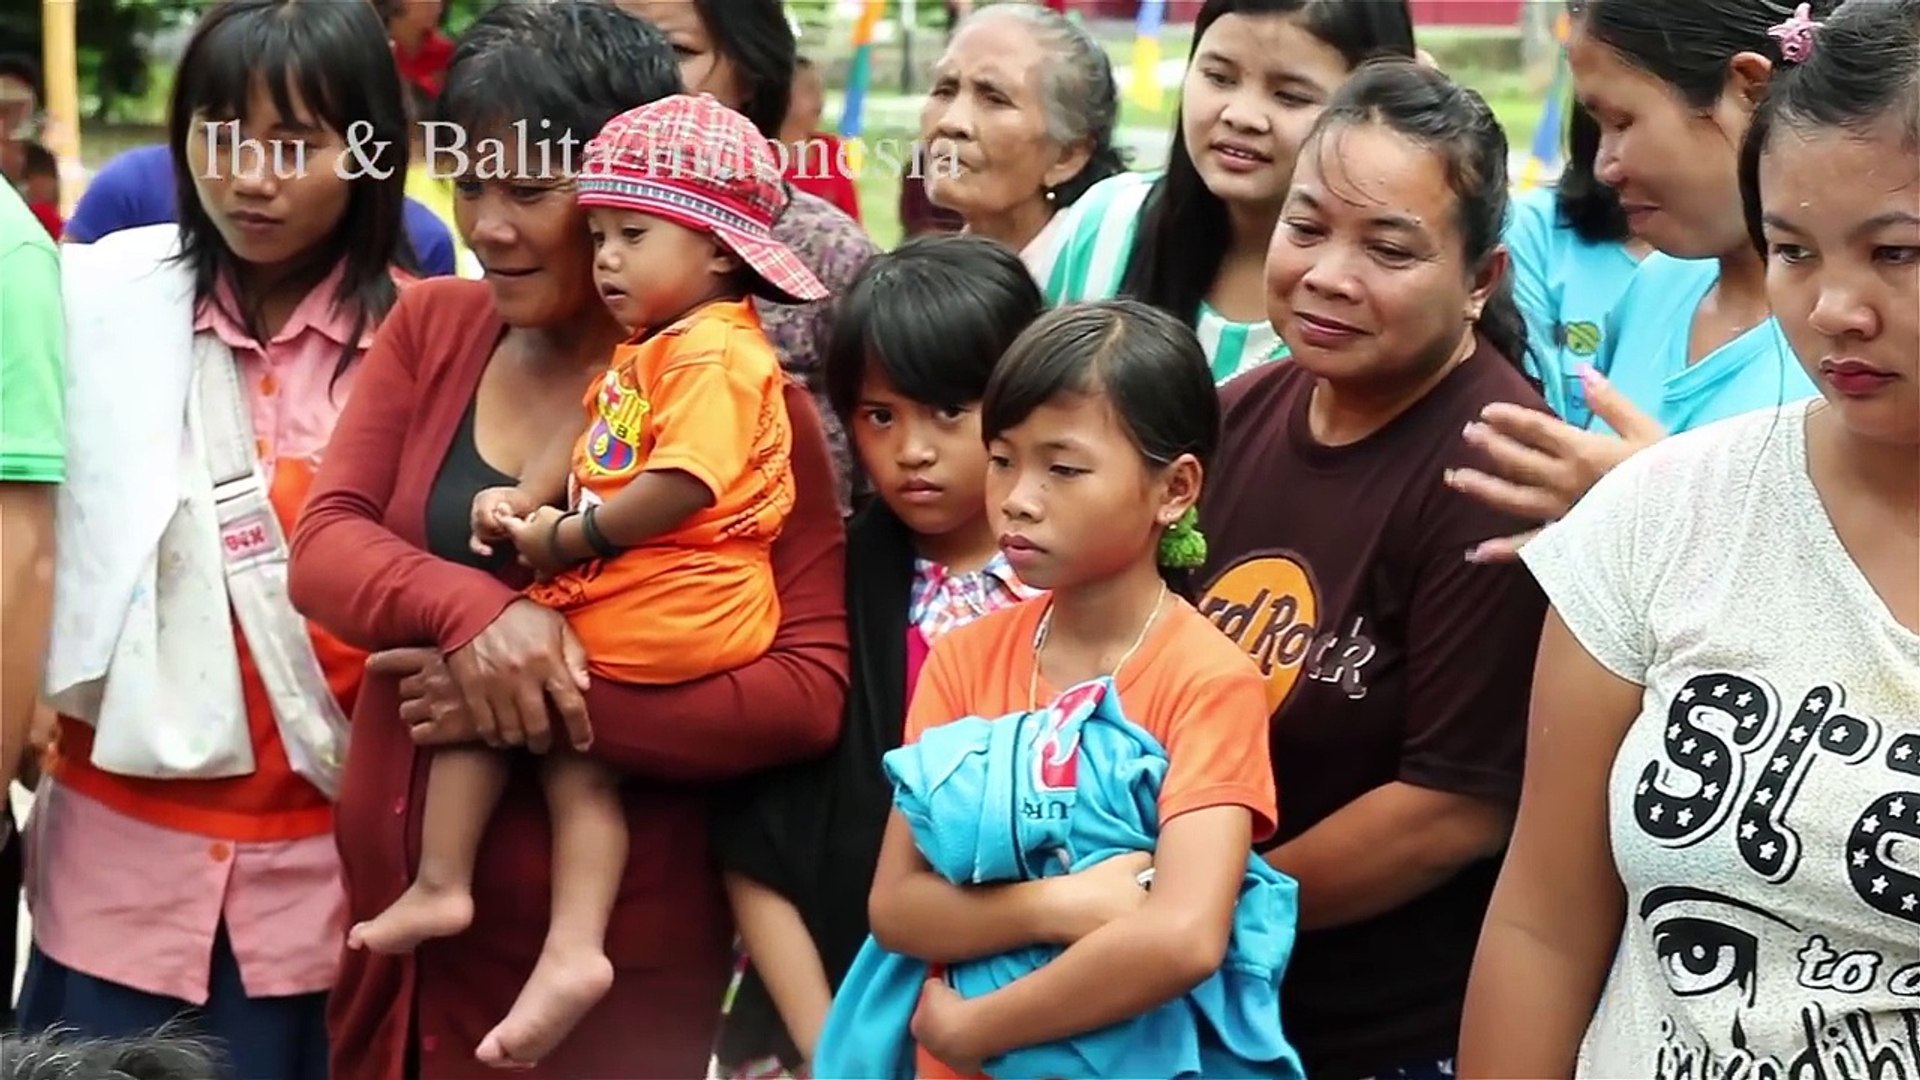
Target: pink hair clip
(1796,35)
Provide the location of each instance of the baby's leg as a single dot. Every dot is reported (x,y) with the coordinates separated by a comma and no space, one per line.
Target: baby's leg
(589,859)
(463,787)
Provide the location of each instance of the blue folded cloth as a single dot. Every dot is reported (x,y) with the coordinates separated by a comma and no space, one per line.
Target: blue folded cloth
(1043,793)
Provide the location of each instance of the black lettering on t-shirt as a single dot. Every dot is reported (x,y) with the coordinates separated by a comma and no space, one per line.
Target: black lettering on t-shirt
(1682,800)
(1767,842)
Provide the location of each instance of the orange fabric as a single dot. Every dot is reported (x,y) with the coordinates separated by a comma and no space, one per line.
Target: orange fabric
(703,397)
(1188,685)
(271,803)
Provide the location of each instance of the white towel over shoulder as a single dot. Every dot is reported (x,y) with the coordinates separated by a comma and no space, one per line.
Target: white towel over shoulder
(142,645)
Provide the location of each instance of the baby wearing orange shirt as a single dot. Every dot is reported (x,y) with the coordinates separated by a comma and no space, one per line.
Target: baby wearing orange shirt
(677,489)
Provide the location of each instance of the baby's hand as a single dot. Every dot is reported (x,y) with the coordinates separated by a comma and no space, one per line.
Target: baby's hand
(492,509)
(534,536)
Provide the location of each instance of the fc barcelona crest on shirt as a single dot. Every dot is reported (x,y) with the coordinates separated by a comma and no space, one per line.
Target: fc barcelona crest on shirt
(613,442)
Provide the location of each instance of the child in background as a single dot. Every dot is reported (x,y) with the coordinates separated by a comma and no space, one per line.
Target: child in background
(40,187)
(815,162)
(679,486)
(915,338)
(430,175)
(1099,423)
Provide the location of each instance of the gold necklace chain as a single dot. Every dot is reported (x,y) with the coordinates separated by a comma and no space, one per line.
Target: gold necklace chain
(1046,624)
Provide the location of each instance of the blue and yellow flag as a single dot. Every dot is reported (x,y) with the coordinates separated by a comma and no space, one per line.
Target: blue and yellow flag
(1145,89)
(860,73)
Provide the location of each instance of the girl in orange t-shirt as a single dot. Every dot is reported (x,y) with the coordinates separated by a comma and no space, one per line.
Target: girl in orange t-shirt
(1099,422)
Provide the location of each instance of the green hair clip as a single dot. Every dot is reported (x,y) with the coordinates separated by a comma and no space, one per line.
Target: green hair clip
(1183,546)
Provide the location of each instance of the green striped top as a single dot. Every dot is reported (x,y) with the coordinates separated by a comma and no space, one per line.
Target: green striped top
(1090,257)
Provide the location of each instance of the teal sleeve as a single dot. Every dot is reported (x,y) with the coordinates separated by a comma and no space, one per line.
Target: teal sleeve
(1529,240)
(33,431)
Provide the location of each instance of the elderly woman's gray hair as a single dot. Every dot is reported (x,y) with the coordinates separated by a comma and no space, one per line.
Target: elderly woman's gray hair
(59,1054)
(1077,89)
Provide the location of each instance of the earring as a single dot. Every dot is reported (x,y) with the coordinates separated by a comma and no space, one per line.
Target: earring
(1052,196)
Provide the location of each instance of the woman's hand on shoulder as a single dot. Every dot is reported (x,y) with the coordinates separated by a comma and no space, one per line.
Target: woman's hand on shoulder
(1542,464)
(524,660)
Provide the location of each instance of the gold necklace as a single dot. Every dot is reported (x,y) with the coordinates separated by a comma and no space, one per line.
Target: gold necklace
(1046,624)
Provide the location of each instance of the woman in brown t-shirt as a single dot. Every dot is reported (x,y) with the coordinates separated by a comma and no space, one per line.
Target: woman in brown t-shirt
(1397,672)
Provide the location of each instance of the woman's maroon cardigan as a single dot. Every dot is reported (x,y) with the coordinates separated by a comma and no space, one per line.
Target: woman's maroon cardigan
(360,569)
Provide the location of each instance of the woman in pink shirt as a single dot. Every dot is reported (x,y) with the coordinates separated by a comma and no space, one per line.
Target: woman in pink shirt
(180,852)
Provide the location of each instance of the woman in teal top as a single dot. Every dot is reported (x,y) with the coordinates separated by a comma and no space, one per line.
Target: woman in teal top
(1571,257)
(1691,339)
(1192,240)
(1673,86)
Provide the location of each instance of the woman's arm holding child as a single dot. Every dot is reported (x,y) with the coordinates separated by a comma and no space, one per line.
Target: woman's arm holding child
(543,484)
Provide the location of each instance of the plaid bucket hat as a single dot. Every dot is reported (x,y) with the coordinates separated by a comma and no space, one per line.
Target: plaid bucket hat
(696,162)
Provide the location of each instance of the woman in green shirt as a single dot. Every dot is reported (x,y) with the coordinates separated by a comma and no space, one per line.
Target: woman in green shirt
(1193,239)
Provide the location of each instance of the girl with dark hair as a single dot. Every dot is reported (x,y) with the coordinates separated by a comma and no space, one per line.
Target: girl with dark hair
(1193,241)
(917,336)
(467,381)
(1571,256)
(1690,340)
(1708,873)
(183,862)
(1018,124)
(1395,672)
(1100,424)
(743,52)
(1673,87)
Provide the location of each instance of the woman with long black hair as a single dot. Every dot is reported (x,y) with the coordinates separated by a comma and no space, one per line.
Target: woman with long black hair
(1193,240)
(181,851)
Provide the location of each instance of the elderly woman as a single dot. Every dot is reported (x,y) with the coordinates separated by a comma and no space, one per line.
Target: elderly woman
(743,52)
(1018,124)
(465,381)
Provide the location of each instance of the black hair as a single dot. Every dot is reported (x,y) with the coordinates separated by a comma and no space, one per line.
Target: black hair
(1144,361)
(39,161)
(757,37)
(1865,70)
(422,103)
(336,59)
(1687,43)
(62,1054)
(1184,232)
(1584,204)
(20,66)
(565,67)
(935,314)
(1454,123)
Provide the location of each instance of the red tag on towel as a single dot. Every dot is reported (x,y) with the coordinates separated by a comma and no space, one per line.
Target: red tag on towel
(246,538)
